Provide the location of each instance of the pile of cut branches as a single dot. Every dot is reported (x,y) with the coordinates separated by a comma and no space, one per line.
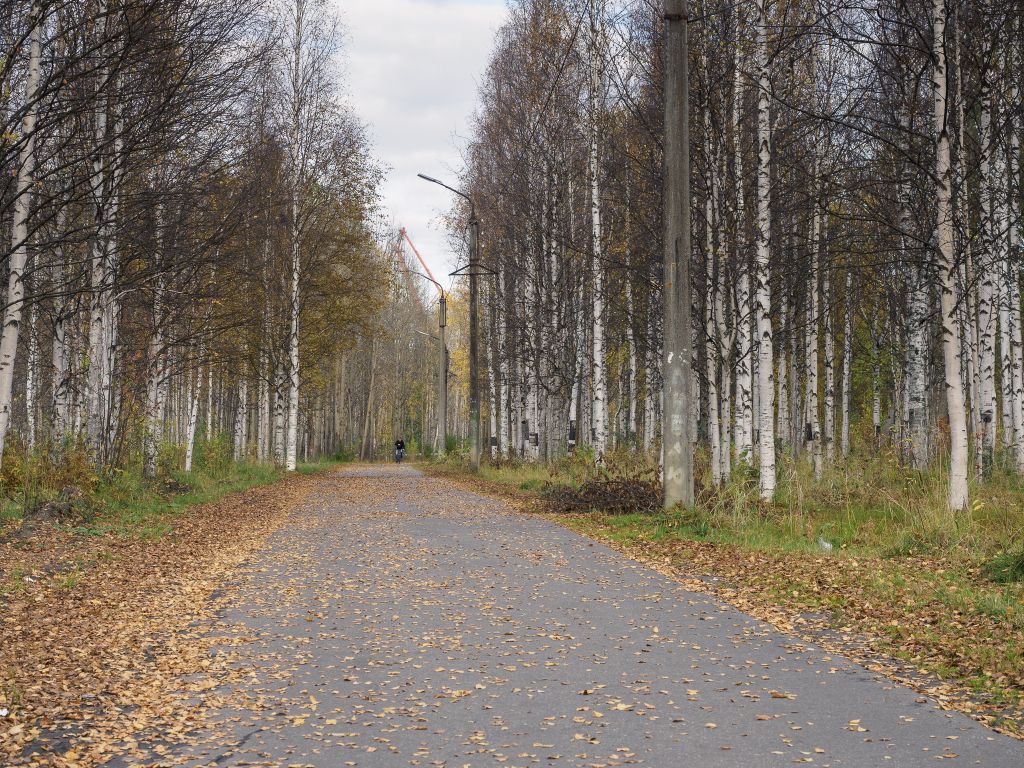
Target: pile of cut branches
(607,493)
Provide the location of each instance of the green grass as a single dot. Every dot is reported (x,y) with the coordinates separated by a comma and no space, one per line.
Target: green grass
(868,504)
(123,502)
(1006,567)
(525,477)
(129,505)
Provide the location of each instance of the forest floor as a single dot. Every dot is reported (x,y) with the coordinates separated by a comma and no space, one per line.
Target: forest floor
(935,618)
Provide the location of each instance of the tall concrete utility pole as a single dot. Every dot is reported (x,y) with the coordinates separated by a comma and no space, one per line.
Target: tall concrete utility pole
(472,270)
(442,378)
(442,321)
(677,373)
(474,378)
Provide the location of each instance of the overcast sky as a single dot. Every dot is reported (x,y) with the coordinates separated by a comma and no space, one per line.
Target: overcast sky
(412,70)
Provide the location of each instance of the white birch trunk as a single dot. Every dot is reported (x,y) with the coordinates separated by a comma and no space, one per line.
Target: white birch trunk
(193,420)
(710,325)
(153,426)
(916,376)
(876,395)
(726,342)
(829,427)
(263,397)
(744,440)
(61,400)
(293,366)
(31,379)
(599,372)
(280,414)
(153,417)
(782,378)
(985,264)
(241,421)
(811,352)
(762,300)
(1005,271)
(505,412)
(944,222)
(19,229)
(969,317)
(1014,211)
(630,401)
(844,438)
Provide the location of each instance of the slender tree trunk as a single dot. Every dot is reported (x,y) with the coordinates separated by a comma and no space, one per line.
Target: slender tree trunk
(31,381)
(711,302)
(298,96)
(765,367)
(944,222)
(366,451)
(630,399)
(19,228)
(829,427)
(917,360)
(280,414)
(1015,209)
(241,421)
(782,377)
(985,264)
(811,351)
(264,410)
(193,419)
(847,363)
(599,373)
(969,316)
(153,427)
(744,441)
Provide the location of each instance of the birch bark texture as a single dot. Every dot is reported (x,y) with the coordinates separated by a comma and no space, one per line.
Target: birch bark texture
(958,498)
(19,228)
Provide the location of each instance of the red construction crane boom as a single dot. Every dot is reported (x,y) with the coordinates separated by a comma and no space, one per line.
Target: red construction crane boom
(437,285)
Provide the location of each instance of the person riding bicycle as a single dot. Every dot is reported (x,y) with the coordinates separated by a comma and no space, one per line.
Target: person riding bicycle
(399,449)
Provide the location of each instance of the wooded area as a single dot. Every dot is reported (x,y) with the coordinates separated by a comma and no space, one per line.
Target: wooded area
(190,228)
(856,214)
(194,248)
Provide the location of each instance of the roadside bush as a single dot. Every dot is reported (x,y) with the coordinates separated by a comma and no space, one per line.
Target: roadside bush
(51,479)
(214,456)
(345,454)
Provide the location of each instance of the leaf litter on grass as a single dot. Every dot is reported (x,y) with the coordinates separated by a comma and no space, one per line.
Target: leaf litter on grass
(118,659)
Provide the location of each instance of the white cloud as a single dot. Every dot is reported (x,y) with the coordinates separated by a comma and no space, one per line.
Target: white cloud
(412,69)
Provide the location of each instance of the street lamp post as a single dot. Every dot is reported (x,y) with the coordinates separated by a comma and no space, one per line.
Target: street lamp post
(472,270)
(442,374)
(442,377)
(474,373)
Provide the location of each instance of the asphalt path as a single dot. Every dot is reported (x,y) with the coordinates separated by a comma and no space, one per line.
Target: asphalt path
(399,621)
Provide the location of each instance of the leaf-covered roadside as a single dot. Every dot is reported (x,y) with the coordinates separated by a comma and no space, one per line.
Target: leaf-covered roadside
(932,623)
(93,661)
(935,623)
